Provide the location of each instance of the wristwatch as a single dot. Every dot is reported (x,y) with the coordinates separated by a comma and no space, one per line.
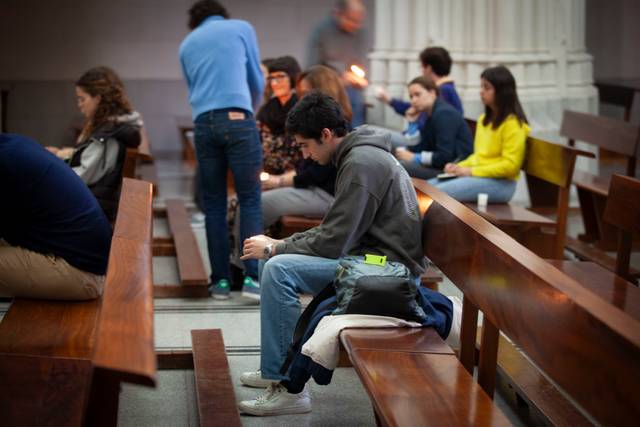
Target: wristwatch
(268,250)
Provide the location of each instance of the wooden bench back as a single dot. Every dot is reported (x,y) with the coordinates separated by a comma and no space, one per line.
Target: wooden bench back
(124,338)
(623,212)
(586,345)
(611,134)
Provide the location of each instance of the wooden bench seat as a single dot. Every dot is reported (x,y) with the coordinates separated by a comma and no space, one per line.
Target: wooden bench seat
(214,388)
(62,362)
(183,245)
(577,338)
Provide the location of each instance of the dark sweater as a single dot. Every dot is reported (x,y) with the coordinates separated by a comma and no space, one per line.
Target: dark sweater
(446,134)
(46,207)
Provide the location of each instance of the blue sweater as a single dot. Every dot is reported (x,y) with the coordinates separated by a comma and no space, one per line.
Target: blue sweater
(447,92)
(221,64)
(46,207)
(446,135)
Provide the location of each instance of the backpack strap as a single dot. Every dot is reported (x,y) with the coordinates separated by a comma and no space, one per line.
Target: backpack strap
(303,323)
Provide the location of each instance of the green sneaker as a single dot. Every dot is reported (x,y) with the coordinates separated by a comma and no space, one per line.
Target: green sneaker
(251,288)
(221,290)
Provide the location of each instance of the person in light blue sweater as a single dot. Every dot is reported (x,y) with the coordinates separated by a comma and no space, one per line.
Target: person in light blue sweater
(221,64)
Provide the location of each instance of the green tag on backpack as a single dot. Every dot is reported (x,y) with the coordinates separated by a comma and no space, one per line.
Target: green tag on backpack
(375,260)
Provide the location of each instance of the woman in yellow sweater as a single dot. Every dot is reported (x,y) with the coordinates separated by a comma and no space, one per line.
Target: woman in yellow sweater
(499,144)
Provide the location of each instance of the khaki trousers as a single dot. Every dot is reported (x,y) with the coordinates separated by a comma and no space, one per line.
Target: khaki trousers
(28,274)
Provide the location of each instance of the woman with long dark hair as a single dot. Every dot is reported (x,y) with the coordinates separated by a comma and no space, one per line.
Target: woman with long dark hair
(499,144)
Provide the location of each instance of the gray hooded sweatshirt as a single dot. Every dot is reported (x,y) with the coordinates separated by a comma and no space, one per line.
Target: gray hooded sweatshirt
(375,209)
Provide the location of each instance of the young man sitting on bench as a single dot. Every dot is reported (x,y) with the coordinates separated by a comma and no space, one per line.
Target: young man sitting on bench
(375,212)
(54,237)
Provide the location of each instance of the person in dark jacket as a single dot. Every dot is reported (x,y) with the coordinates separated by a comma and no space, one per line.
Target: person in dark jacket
(444,136)
(110,128)
(375,212)
(54,238)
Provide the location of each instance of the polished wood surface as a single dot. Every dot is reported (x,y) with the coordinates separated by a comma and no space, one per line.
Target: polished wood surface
(527,383)
(623,212)
(124,341)
(130,160)
(444,394)
(623,204)
(594,183)
(49,328)
(577,338)
(415,340)
(590,253)
(190,264)
(214,387)
(611,134)
(612,288)
(504,214)
(40,391)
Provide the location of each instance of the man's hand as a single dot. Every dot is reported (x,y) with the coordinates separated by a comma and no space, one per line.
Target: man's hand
(254,247)
(404,155)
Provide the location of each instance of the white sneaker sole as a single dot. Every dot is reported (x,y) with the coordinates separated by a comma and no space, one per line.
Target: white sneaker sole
(261,412)
(250,295)
(220,297)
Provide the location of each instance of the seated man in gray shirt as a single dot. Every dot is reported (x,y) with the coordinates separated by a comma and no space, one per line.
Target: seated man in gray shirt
(375,212)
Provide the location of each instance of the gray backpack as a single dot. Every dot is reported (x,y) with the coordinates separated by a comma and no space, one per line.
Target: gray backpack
(371,285)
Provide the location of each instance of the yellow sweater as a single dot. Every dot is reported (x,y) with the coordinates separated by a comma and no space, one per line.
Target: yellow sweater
(498,153)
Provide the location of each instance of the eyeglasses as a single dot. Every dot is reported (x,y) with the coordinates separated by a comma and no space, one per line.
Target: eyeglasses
(277,77)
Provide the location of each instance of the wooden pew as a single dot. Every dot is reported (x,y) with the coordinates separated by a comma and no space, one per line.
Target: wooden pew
(548,168)
(586,343)
(183,245)
(622,212)
(612,135)
(214,387)
(62,363)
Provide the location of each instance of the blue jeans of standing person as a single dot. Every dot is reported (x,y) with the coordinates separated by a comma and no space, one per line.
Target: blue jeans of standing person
(467,188)
(281,279)
(229,139)
(358,106)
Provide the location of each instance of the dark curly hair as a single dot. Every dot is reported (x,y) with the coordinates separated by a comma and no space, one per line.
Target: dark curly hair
(203,9)
(314,112)
(105,82)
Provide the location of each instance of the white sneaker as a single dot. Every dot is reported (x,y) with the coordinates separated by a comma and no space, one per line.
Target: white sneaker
(456,323)
(254,379)
(277,401)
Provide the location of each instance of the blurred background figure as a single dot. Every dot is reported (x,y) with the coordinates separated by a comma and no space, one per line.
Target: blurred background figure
(339,41)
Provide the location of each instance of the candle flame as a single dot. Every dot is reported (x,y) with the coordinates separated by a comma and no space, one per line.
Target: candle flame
(358,71)
(264,176)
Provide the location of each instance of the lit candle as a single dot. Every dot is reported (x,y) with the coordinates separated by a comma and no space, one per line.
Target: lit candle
(358,71)
(264,176)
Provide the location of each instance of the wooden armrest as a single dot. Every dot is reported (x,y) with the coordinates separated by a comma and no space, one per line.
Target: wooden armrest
(505,214)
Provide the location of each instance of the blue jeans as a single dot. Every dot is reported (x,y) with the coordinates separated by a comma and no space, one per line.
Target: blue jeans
(467,188)
(358,107)
(223,143)
(281,279)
